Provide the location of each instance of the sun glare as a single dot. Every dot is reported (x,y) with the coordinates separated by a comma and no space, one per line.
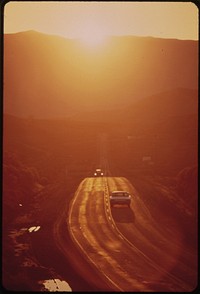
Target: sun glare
(92,34)
(92,39)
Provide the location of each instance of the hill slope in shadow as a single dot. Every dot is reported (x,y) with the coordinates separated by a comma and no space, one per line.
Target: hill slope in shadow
(49,77)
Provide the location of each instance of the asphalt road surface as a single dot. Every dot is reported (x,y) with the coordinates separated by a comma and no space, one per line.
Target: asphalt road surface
(126,246)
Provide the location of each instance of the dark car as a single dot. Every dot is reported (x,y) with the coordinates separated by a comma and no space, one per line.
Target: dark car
(120,197)
(98,172)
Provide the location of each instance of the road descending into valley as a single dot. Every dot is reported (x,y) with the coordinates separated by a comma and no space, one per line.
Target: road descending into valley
(129,250)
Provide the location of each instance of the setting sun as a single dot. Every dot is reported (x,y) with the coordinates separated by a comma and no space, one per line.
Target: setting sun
(93,38)
(92,33)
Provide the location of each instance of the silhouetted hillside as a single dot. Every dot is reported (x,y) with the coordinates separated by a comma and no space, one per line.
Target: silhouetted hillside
(156,108)
(49,76)
(177,102)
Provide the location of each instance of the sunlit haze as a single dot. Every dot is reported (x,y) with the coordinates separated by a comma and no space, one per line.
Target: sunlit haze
(92,21)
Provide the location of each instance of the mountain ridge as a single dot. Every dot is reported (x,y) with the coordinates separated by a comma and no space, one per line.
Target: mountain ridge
(50,76)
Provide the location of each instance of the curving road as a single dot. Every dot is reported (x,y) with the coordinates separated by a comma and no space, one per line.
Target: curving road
(126,246)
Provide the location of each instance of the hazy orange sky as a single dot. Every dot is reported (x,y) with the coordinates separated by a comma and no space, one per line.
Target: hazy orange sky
(81,19)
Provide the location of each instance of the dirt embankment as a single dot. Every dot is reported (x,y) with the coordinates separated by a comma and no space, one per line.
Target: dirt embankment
(30,256)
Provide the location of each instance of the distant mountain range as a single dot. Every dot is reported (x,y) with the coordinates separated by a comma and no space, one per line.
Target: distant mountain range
(52,77)
(159,107)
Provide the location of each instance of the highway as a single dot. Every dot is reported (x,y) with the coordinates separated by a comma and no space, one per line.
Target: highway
(129,250)
(125,249)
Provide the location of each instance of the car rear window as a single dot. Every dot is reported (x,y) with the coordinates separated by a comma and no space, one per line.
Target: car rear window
(120,194)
